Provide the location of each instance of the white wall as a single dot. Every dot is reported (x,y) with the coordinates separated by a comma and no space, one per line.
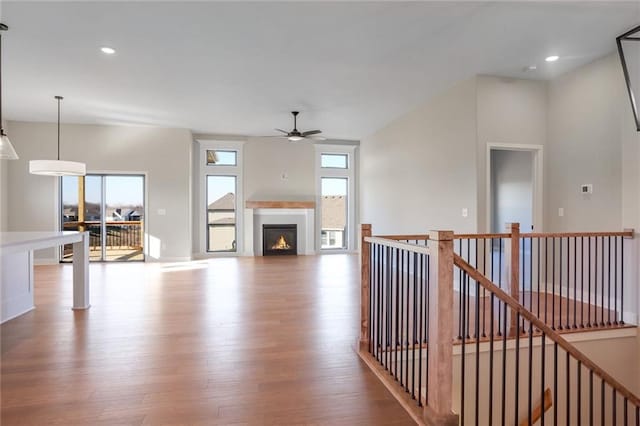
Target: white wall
(511,189)
(510,111)
(419,172)
(163,154)
(584,133)
(267,160)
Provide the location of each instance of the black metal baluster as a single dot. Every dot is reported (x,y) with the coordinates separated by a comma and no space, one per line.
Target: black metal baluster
(538,243)
(621,280)
(379,302)
(602,288)
(575,281)
(543,355)
(590,397)
(414,328)
(560,284)
(546,279)
(467,323)
(460,305)
(602,409)
(530,390)
(517,369)
(613,406)
(568,385)
(500,279)
(477,418)
(625,416)
(609,281)
(553,284)
(420,322)
(530,274)
(615,280)
(555,382)
(491,335)
(579,399)
(396,341)
(371,295)
(589,279)
(504,360)
(372,323)
(401,316)
(406,358)
(463,352)
(426,330)
(581,282)
(484,291)
(386,306)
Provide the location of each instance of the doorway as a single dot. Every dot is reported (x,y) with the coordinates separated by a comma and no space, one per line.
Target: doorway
(514,187)
(111,208)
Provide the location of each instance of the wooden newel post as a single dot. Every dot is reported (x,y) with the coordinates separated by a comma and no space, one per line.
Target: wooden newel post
(438,410)
(512,257)
(365,250)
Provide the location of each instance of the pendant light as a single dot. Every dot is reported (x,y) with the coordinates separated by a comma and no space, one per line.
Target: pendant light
(6,149)
(57,167)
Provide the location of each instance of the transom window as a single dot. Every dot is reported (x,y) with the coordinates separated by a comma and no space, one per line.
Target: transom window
(218,157)
(334,161)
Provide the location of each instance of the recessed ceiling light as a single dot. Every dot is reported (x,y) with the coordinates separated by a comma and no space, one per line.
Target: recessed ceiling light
(108,50)
(552,58)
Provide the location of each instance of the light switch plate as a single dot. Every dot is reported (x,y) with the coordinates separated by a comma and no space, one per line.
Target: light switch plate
(162,212)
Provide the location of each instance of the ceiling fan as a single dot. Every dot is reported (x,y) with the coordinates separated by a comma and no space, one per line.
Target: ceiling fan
(295,135)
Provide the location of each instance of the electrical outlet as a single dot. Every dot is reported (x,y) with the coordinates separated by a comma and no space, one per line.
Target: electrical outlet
(465,212)
(586,188)
(561,211)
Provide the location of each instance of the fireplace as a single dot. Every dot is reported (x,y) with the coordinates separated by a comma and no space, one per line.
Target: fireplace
(279,240)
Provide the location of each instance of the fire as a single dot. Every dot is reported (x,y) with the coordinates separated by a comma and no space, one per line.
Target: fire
(281,244)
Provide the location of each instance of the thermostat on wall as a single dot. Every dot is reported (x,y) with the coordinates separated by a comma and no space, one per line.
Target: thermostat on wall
(586,188)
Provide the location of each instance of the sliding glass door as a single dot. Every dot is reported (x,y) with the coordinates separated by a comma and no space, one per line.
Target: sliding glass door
(111,209)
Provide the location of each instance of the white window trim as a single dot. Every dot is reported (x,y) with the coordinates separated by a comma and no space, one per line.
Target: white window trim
(222,170)
(330,172)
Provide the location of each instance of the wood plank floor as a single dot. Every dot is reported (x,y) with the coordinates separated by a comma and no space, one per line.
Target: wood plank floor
(261,341)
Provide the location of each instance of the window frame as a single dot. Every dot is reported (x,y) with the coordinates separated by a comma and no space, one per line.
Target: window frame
(345,155)
(200,186)
(350,150)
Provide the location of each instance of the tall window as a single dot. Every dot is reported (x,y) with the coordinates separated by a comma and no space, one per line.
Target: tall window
(221,213)
(220,202)
(333,231)
(335,196)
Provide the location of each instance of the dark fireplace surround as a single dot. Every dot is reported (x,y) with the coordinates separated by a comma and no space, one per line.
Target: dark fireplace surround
(279,240)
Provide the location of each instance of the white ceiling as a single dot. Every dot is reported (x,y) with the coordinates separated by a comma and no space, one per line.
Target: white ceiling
(239,68)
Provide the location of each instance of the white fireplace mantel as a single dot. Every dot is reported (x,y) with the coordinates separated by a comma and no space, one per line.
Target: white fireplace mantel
(277,213)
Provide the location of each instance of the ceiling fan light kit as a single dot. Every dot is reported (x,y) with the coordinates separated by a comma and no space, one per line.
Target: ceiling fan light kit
(57,167)
(295,135)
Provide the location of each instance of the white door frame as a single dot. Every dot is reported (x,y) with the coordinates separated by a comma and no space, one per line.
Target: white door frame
(537,150)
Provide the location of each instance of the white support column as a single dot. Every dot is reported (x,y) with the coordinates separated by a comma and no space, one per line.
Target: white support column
(81,273)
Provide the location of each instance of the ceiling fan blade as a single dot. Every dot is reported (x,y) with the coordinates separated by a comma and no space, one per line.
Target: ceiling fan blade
(311,132)
(317,138)
(283,131)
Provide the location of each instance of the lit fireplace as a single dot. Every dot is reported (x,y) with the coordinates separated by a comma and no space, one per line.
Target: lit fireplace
(279,240)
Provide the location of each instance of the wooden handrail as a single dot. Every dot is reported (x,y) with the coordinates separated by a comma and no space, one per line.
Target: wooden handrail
(577,234)
(397,244)
(629,234)
(405,237)
(481,236)
(540,409)
(548,331)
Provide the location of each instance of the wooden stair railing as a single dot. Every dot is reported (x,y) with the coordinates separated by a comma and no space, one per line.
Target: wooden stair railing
(619,392)
(404,274)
